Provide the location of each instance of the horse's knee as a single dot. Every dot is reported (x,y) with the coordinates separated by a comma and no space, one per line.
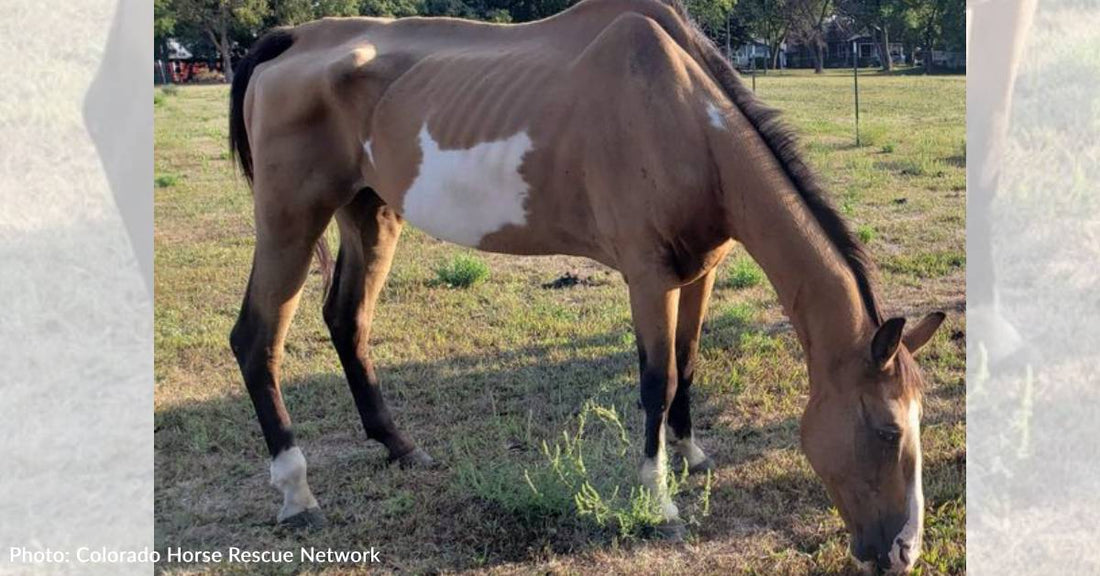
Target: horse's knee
(247,339)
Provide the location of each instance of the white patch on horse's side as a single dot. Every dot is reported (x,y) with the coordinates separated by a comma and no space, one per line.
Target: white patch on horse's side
(655,479)
(463,195)
(716,118)
(288,474)
(688,449)
(367,151)
(910,535)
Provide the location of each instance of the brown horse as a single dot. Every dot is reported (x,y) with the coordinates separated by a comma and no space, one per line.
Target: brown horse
(614,131)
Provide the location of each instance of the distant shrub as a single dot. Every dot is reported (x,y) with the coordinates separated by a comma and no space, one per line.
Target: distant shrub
(208,77)
(462,271)
(744,273)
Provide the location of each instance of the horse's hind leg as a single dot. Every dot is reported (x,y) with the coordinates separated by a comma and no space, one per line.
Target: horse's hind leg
(693,307)
(285,238)
(368,237)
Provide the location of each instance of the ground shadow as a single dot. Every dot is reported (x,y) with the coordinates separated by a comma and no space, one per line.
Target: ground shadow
(473,413)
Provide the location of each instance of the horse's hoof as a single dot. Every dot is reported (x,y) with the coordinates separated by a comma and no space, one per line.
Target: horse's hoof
(703,467)
(415,459)
(308,519)
(671,531)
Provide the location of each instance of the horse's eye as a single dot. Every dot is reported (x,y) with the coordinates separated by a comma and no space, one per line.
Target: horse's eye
(890,436)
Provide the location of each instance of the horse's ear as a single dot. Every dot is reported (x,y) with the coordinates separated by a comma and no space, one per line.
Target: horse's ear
(884,346)
(920,334)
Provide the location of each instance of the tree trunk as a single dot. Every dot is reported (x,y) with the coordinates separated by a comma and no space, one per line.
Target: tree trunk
(819,58)
(227,57)
(775,55)
(884,51)
(928,58)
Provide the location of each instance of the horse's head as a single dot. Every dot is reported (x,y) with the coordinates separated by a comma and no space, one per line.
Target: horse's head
(861,434)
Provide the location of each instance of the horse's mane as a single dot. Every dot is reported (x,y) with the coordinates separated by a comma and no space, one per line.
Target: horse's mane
(783,143)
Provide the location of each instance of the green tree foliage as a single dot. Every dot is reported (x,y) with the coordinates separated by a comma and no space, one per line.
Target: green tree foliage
(223,28)
(711,15)
(293,12)
(808,27)
(219,20)
(879,18)
(768,20)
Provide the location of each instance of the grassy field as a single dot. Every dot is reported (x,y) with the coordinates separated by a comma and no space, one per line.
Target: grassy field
(528,394)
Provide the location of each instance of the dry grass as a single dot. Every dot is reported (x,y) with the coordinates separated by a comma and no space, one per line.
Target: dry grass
(483,377)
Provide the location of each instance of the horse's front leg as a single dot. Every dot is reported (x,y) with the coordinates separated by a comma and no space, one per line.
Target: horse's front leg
(693,307)
(654,309)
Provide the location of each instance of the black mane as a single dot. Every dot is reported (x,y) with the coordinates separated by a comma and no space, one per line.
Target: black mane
(783,143)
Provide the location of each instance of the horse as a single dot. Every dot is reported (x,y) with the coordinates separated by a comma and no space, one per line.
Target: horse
(614,130)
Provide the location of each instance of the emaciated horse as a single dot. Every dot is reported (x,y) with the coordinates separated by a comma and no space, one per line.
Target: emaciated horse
(614,130)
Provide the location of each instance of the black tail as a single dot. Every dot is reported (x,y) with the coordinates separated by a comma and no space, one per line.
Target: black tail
(267,48)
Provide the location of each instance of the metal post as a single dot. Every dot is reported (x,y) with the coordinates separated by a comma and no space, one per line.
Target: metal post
(753,67)
(855,86)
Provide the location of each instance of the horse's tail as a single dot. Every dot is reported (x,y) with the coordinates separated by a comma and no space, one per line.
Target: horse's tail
(267,48)
(325,263)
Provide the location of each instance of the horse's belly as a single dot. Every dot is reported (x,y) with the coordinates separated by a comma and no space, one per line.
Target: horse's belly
(463,195)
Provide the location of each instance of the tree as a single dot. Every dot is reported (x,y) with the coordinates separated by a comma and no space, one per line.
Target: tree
(937,24)
(808,26)
(711,15)
(877,16)
(768,20)
(218,19)
(164,24)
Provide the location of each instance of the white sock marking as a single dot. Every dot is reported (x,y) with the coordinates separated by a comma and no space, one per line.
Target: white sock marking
(910,534)
(689,450)
(655,479)
(288,474)
(463,195)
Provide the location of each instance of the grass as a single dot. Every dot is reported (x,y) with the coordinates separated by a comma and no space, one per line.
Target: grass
(743,273)
(462,271)
(528,396)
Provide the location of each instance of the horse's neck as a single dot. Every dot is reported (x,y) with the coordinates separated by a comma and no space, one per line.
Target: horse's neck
(815,285)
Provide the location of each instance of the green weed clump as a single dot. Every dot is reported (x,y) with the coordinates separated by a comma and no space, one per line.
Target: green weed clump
(462,271)
(166,180)
(865,233)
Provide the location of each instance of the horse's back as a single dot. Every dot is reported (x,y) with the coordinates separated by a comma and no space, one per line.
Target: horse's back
(498,137)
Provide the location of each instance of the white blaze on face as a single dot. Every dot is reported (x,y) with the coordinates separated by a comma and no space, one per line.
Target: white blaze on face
(463,195)
(288,474)
(715,115)
(654,478)
(910,534)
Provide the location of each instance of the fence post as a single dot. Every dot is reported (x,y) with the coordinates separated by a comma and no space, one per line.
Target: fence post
(753,57)
(855,85)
